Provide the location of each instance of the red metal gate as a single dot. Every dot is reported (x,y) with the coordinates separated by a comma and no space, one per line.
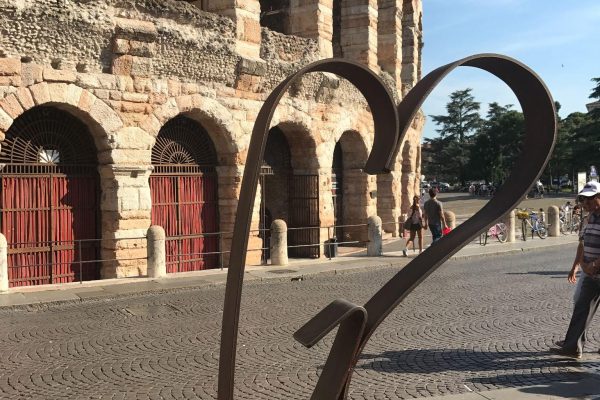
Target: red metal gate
(304,215)
(186,207)
(48,203)
(184,195)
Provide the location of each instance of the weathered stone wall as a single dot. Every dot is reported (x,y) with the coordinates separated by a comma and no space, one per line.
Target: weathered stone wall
(126,67)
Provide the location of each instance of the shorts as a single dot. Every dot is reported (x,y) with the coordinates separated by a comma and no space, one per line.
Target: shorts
(415,227)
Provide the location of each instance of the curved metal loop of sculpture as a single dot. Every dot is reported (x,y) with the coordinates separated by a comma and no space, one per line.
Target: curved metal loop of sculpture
(355,331)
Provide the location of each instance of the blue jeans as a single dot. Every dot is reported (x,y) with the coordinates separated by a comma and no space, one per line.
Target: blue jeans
(436,231)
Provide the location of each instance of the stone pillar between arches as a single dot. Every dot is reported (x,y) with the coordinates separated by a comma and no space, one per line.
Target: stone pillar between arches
(314,20)
(359,197)
(389,197)
(126,216)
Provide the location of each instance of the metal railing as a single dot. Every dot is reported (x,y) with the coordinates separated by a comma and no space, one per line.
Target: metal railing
(217,256)
(48,262)
(62,261)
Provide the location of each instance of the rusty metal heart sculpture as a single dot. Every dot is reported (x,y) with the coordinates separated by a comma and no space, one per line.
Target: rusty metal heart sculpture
(358,323)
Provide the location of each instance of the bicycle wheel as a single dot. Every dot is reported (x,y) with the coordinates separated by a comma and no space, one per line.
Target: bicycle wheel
(524,229)
(564,226)
(575,222)
(483,238)
(541,230)
(501,232)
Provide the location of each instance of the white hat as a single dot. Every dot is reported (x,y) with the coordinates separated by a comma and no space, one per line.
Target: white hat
(590,189)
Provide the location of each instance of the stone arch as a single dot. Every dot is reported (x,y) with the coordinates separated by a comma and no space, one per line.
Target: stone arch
(302,185)
(102,121)
(215,118)
(50,162)
(184,193)
(303,146)
(224,132)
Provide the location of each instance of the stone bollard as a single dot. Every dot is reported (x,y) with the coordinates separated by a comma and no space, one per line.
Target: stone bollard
(3,264)
(375,246)
(510,222)
(553,222)
(278,245)
(157,252)
(450,219)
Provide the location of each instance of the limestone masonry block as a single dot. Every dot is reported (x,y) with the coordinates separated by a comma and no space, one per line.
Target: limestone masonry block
(122,65)
(56,75)
(252,67)
(102,112)
(57,92)
(135,97)
(10,66)
(5,121)
(86,101)
(136,29)
(11,106)
(73,95)
(128,199)
(24,97)
(88,81)
(31,74)
(40,93)
(151,124)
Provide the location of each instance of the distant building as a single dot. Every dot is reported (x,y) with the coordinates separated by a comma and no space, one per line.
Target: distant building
(593,106)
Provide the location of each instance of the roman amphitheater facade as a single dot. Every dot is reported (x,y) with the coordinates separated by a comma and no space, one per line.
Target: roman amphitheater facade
(119,114)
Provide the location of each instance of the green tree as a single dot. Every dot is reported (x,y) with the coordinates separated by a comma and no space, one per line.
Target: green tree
(585,138)
(456,129)
(497,144)
(595,113)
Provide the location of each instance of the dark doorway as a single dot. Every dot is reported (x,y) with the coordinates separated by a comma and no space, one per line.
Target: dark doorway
(304,229)
(274,180)
(337,191)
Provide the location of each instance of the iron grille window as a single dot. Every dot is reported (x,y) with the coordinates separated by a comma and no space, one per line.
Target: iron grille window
(183,147)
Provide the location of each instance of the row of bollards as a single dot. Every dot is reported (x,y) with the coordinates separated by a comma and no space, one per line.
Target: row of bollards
(279,250)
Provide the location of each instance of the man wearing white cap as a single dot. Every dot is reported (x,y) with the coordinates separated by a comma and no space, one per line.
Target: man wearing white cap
(589,297)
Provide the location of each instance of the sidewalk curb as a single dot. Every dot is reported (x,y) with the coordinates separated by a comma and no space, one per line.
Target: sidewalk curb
(213,279)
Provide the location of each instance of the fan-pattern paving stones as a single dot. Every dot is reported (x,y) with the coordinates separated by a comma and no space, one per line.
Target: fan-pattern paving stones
(476,324)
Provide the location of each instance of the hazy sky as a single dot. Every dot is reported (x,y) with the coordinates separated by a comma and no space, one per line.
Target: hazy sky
(558,39)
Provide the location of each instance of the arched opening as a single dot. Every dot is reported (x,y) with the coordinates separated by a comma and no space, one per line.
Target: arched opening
(290,192)
(184,194)
(49,199)
(337,190)
(274,15)
(275,174)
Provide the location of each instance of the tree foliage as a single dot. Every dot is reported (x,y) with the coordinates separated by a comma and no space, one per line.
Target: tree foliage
(497,144)
(450,152)
(474,148)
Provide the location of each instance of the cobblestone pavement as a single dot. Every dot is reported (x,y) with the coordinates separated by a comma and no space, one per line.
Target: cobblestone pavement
(473,325)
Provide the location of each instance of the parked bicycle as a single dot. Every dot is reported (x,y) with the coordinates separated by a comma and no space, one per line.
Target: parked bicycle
(569,220)
(531,222)
(498,231)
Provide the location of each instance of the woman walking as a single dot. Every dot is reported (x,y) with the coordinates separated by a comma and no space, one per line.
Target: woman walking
(415,219)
